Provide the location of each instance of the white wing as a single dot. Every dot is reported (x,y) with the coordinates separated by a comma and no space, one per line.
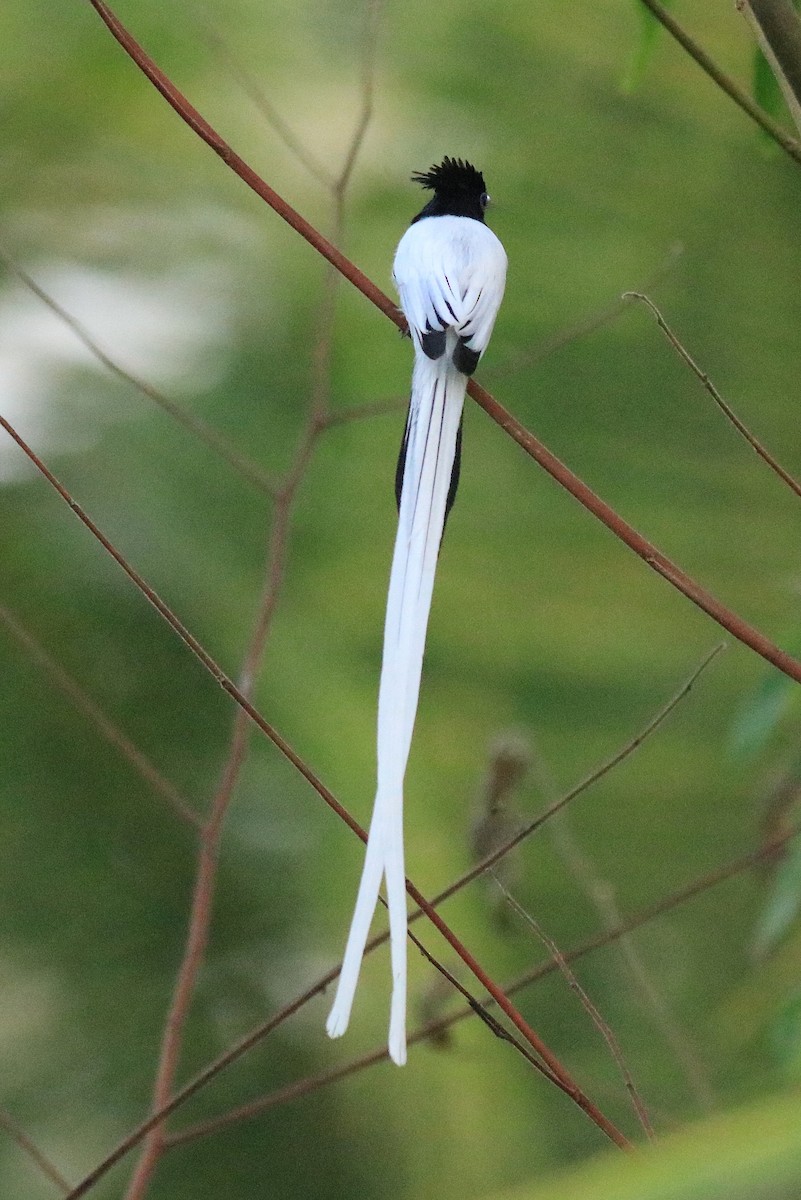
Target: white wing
(450,272)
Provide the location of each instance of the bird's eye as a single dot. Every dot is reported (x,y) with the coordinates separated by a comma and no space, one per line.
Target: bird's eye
(483,200)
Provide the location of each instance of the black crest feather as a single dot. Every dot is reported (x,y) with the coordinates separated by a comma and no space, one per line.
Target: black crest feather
(452,175)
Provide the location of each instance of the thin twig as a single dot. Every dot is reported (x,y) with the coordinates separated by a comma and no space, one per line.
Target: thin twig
(724,81)
(493,1024)
(212,438)
(363,412)
(201,909)
(524,359)
(725,408)
(264,104)
(601,895)
(645,550)
(588,781)
(262,1031)
(18,1135)
(606,937)
(590,1008)
(104,725)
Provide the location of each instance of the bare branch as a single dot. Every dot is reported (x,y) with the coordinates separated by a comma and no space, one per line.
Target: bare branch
(779,29)
(18,1135)
(645,550)
(264,104)
(728,412)
(598,1021)
(606,937)
(724,81)
(104,725)
(215,440)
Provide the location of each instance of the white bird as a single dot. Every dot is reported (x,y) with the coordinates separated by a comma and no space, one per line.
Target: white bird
(450,272)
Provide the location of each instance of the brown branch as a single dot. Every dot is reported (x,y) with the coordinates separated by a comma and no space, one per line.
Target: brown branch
(654,558)
(206,875)
(725,408)
(216,441)
(781,28)
(479,1010)
(205,884)
(602,1025)
(18,1135)
(606,937)
(106,727)
(262,1031)
(601,895)
(724,81)
(201,127)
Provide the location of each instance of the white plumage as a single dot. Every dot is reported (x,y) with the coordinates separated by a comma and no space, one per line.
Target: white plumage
(450,273)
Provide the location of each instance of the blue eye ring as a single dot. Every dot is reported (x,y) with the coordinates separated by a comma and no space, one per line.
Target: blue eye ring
(484,200)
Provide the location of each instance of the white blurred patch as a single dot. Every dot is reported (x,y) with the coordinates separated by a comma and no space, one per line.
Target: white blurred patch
(168,327)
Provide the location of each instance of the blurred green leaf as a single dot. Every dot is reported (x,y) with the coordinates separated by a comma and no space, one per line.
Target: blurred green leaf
(785,1038)
(767,92)
(643,51)
(754,1152)
(761,714)
(783,906)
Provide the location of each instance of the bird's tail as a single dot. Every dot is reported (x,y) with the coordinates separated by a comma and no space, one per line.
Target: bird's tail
(428,464)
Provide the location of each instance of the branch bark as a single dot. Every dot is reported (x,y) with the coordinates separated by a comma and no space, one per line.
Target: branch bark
(724,81)
(780,26)
(729,620)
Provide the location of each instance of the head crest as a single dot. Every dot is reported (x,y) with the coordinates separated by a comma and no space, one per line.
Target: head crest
(452,175)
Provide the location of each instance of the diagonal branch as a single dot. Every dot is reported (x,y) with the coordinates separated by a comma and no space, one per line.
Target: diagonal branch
(561,1076)
(725,408)
(216,441)
(780,28)
(654,558)
(600,1023)
(724,81)
(18,1135)
(605,937)
(104,725)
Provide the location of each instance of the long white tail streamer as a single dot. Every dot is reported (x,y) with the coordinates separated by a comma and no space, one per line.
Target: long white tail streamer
(434,414)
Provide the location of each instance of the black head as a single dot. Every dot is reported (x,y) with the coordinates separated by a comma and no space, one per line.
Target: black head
(459,190)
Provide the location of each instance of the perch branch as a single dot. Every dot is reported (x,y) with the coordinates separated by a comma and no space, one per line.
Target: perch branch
(729,620)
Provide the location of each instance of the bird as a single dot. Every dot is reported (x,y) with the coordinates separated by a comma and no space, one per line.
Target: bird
(450,274)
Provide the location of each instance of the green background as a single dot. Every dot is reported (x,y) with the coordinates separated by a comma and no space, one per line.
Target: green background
(542,622)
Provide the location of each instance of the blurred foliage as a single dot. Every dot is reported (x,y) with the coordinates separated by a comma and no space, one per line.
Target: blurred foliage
(644,46)
(542,622)
(752,1152)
